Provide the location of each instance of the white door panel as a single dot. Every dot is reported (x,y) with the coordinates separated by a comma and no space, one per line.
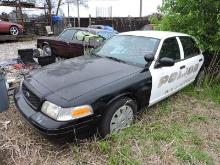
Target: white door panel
(167,80)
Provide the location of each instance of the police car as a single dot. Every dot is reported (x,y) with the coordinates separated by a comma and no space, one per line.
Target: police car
(104,91)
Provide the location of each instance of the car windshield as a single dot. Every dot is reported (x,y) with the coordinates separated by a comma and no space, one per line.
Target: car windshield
(128,49)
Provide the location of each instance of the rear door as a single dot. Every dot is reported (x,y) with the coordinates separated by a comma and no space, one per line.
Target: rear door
(193,58)
(165,80)
(61,46)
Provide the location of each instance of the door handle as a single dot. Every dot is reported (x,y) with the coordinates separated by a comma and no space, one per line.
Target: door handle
(200,60)
(182,67)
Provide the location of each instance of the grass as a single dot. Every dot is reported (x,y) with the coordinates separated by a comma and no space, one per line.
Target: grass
(212,93)
(183,129)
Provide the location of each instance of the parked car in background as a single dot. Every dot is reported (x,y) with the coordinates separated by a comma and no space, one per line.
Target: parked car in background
(129,72)
(148,27)
(10,28)
(103,27)
(72,42)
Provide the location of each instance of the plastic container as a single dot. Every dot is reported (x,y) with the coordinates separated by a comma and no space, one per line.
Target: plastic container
(26,56)
(4,103)
(46,60)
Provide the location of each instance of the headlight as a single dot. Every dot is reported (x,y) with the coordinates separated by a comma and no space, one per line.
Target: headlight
(66,114)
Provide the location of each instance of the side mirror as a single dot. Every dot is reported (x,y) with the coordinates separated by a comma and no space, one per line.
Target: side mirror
(165,62)
(149,57)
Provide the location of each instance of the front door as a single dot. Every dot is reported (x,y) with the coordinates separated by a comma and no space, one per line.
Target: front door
(61,46)
(166,80)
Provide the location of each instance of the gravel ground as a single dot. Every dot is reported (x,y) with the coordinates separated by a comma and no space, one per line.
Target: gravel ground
(10,50)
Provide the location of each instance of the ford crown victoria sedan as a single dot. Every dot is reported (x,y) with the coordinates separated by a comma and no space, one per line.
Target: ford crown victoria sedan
(131,71)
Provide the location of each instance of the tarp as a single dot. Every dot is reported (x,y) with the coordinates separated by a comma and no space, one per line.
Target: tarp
(86,36)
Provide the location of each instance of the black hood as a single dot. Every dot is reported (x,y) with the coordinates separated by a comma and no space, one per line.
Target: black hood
(72,78)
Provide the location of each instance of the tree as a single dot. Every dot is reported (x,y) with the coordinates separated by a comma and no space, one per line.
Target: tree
(200,18)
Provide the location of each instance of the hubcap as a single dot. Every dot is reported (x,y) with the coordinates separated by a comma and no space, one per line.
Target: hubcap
(121,119)
(46,51)
(14,31)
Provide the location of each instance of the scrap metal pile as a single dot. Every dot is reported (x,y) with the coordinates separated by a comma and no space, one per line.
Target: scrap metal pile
(15,69)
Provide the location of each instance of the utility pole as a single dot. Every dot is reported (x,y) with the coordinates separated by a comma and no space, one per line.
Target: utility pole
(78,13)
(141,3)
(21,14)
(68,14)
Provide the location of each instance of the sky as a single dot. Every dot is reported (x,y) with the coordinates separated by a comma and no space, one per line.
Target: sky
(120,8)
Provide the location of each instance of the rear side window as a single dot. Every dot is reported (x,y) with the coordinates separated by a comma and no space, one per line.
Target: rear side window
(67,35)
(170,49)
(190,47)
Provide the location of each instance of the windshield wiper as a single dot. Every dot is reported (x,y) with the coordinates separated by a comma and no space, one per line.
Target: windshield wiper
(115,59)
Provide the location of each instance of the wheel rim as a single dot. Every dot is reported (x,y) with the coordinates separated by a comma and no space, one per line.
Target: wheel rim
(14,31)
(46,51)
(122,118)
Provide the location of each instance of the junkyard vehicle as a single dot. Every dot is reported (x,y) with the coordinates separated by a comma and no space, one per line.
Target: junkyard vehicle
(11,28)
(68,44)
(105,90)
(103,27)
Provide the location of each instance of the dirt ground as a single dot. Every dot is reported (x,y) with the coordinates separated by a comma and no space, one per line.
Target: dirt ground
(180,130)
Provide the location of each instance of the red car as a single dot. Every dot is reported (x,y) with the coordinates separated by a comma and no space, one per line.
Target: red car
(10,28)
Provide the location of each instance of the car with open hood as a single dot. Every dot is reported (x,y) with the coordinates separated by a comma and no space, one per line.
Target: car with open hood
(105,90)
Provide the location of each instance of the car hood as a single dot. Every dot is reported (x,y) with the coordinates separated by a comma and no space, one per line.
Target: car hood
(75,77)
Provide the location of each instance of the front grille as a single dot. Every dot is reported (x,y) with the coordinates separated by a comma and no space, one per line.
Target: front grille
(32,99)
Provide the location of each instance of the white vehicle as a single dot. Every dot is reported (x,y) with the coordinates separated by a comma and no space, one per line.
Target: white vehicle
(130,72)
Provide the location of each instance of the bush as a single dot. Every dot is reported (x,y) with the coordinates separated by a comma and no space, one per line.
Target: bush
(199,18)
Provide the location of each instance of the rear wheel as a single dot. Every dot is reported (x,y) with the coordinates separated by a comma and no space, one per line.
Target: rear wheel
(119,116)
(14,30)
(200,78)
(47,50)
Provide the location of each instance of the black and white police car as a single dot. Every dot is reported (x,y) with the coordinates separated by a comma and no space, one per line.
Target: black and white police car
(131,71)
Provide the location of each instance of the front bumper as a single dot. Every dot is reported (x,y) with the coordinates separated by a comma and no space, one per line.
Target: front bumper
(48,126)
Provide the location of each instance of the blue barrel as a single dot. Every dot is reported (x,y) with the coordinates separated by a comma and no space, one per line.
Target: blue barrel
(4,103)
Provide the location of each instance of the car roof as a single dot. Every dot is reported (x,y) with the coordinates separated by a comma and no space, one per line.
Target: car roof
(154,34)
(86,29)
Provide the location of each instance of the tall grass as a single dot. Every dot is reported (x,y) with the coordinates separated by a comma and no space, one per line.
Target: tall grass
(206,91)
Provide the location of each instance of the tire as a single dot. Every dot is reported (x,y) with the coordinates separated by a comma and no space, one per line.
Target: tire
(14,30)
(199,78)
(119,115)
(47,50)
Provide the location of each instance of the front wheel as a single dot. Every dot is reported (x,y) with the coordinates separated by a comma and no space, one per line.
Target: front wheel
(119,116)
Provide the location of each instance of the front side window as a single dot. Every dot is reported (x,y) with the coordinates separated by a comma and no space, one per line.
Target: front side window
(67,34)
(190,47)
(170,49)
(130,49)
